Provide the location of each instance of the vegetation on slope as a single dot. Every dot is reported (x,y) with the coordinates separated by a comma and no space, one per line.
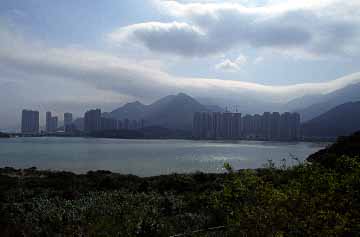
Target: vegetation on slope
(310,199)
(348,145)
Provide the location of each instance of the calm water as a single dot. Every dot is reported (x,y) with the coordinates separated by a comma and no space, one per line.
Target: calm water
(146,157)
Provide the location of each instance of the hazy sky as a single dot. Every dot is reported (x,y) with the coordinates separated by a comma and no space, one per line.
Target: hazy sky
(72,55)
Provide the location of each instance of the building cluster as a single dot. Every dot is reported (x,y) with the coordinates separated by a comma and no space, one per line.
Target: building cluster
(52,125)
(30,121)
(227,125)
(94,121)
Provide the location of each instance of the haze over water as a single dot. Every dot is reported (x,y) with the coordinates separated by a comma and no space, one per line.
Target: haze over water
(147,157)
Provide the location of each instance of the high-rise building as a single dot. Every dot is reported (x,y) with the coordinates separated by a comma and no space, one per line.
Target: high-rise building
(95,121)
(48,122)
(236,126)
(206,127)
(119,124)
(247,126)
(68,119)
(134,125)
(268,126)
(142,123)
(217,119)
(92,120)
(285,128)
(30,122)
(126,124)
(226,125)
(108,124)
(54,123)
(295,126)
(275,126)
(257,121)
(68,122)
(51,122)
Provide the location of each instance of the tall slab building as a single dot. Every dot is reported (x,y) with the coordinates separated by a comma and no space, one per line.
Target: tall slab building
(92,120)
(268,126)
(30,122)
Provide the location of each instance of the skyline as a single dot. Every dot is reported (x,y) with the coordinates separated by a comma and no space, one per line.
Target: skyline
(75,55)
(205,125)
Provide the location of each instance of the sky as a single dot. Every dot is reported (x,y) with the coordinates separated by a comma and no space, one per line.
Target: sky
(73,55)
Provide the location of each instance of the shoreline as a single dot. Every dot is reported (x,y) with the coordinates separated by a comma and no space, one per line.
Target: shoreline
(314,139)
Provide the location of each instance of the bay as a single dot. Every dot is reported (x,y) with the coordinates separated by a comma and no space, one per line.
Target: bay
(148,157)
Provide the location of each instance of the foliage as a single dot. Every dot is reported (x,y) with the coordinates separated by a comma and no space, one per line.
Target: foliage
(344,146)
(310,199)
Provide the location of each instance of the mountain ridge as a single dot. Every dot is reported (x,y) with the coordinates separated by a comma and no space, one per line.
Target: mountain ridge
(315,105)
(172,111)
(341,120)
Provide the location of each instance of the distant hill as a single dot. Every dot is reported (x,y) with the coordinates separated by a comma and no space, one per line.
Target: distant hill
(215,108)
(312,106)
(246,104)
(134,110)
(173,111)
(339,121)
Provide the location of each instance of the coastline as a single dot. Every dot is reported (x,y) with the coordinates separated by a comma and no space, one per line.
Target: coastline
(307,139)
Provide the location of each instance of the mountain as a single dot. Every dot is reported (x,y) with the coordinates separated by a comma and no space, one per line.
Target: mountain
(303,102)
(214,108)
(312,106)
(134,110)
(173,111)
(244,104)
(339,121)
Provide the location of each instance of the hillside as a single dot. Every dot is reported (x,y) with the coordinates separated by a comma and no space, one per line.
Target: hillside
(246,104)
(339,121)
(312,106)
(134,110)
(348,145)
(173,111)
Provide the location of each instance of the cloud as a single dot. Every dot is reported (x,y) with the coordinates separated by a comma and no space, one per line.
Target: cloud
(173,37)
(259,60)
(314,28)
(41,76)
(232,65)
(227,65)
(136,79)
